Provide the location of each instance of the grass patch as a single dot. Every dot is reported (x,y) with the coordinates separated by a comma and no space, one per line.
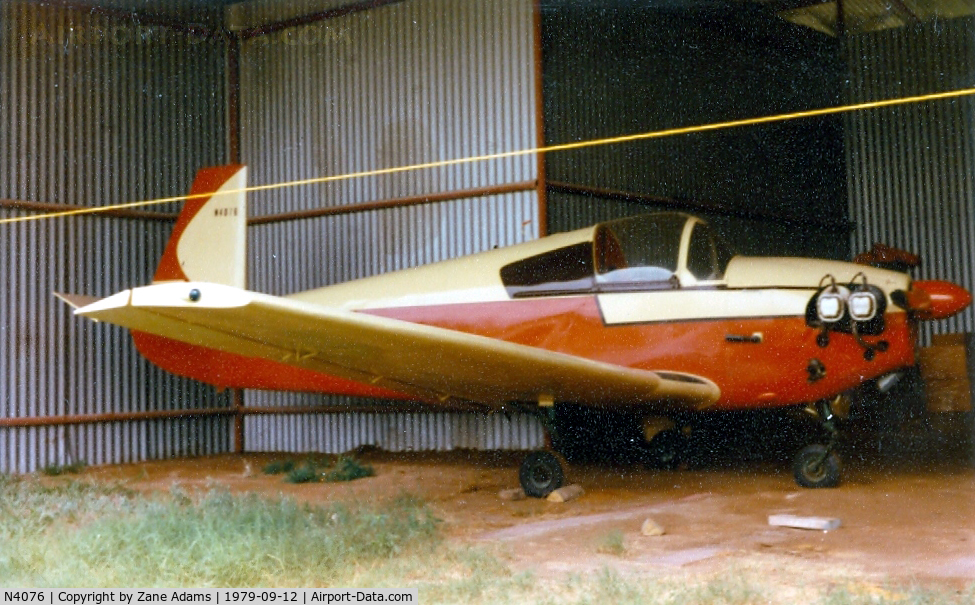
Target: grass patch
(871,594)
(29,508)
(54,470)
(83,536)
(235,541)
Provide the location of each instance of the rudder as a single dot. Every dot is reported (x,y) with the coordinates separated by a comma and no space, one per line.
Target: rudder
(209,241)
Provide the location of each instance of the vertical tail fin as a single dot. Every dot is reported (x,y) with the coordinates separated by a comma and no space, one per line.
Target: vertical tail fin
(209,241)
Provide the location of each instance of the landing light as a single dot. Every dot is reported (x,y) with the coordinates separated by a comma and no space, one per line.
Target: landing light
(863,306)
(829,307)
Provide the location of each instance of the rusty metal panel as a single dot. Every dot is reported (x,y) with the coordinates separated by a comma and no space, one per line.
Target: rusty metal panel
(394,431)
(910,168)
(95,111)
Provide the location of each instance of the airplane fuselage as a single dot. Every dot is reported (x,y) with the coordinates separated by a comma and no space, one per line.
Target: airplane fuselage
(748,332)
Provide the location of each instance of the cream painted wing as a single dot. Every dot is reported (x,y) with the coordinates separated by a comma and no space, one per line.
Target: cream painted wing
(429,362)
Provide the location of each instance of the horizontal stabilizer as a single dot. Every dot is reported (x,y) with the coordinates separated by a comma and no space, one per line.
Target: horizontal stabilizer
(77,300)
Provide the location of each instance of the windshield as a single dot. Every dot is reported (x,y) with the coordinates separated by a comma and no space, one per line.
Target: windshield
(639,249)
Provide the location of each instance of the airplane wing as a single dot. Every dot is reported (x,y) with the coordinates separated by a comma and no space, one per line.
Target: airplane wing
(426,361)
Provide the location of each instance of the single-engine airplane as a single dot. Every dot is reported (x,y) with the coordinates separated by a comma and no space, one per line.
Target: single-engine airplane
(652,314)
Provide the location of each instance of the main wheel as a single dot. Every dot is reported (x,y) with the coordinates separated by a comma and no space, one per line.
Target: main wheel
(540,474)
(816,466)
(666,450)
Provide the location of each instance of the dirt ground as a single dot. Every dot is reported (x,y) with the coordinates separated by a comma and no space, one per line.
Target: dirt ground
(907,519)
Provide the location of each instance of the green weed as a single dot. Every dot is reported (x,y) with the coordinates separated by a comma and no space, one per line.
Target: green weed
(303,474)
(321,468)
(279,466)
(348,469)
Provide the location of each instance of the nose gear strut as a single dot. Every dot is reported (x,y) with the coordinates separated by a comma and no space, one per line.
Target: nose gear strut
(818,465)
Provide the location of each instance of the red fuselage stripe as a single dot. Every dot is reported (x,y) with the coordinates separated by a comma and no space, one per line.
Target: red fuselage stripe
(772,372)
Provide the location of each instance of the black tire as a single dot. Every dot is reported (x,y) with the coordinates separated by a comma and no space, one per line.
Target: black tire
(813,468)
(540,474)
(667,450)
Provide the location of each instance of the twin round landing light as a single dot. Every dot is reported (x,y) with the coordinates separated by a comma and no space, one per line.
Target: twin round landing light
(835,300)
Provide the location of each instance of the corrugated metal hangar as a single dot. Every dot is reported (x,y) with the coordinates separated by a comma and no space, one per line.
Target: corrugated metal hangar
(104,102)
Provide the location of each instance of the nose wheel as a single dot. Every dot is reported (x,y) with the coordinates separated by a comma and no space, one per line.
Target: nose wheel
(819,465)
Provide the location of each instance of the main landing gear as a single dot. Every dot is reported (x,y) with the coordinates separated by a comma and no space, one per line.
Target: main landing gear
(818,465)
(665,442)
(658,442)
(541,473)
(815,466)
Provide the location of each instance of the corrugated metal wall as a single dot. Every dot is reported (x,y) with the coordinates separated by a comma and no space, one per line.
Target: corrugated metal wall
(411,82)
(304,254)
(393,431)
(910,168)
(95,111)
(631,68)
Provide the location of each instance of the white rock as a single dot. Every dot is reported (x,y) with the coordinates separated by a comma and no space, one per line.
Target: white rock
(564,494)
(652,528)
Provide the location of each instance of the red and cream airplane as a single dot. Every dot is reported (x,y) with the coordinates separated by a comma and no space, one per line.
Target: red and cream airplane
(652,315)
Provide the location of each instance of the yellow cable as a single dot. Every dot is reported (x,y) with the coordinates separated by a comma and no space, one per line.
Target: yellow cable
(964,92)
